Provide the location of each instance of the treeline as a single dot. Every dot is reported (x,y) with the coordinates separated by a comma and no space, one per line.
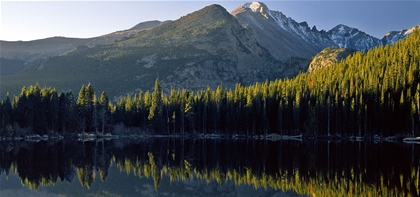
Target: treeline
(372,93)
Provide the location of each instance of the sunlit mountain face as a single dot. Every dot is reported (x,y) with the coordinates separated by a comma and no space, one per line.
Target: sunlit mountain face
(208,167)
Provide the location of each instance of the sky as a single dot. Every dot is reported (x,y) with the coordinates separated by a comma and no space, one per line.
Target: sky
(30,20)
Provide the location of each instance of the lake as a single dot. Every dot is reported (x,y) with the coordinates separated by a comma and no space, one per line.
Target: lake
(208,167)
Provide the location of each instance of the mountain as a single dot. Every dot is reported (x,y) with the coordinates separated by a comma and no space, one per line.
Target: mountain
(203,49)
(297,38)
(352,38)
(26,52)
(394,36)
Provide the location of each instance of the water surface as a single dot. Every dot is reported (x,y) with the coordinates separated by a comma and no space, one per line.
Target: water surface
(204,167)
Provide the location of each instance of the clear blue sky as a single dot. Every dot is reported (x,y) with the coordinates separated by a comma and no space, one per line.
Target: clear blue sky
(29,20)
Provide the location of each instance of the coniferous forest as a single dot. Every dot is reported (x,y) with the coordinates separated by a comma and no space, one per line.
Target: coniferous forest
(369,93)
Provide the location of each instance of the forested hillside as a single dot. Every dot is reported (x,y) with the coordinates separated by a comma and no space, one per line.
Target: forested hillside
(372,93)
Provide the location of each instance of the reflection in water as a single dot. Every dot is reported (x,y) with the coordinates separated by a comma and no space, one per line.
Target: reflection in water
(311,168)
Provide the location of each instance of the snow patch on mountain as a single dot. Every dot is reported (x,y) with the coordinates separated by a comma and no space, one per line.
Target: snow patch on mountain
(393,36)
(254,6)
(257,7)
(290,25)
(301,29)
(340,36)
(347,37)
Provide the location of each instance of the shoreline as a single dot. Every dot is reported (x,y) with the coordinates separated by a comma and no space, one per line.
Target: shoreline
(86,137)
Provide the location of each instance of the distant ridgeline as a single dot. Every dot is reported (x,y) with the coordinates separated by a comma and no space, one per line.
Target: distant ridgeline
(372,93)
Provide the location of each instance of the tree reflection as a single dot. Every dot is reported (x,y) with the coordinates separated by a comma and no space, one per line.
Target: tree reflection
(86,175)
(316,168)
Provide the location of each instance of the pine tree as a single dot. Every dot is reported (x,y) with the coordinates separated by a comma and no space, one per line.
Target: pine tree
(155,113)
(82,103)
(104,110)
(6,113)
(86,106)
(95,105)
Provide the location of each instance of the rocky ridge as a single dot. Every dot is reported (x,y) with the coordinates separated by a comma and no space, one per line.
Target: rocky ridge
(328,57)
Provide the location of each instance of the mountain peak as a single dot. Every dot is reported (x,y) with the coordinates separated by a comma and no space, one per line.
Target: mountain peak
(256,6)
(341,28)
(352,38)
(212,11)
(213,7)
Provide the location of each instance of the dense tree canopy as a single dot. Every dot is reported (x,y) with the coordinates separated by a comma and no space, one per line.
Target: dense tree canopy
(372,93)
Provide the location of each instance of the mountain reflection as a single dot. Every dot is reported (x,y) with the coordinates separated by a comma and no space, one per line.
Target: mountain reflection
(313,168)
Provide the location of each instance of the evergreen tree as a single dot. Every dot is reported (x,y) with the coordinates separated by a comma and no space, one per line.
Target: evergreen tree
(155,112)
(104,110)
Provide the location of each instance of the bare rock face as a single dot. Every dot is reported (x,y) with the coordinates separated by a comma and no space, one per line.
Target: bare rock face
(328,57)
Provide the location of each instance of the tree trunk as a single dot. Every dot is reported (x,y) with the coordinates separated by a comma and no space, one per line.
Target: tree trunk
(103,121)
(418,109)
(329,120)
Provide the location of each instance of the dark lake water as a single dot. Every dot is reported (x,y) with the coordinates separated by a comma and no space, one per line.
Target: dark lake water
(208,167)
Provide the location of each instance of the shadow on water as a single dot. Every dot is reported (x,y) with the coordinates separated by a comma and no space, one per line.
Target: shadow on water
(203,167)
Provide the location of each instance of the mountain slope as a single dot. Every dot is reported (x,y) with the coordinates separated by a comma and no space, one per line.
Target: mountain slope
(282,36)
(29,51)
